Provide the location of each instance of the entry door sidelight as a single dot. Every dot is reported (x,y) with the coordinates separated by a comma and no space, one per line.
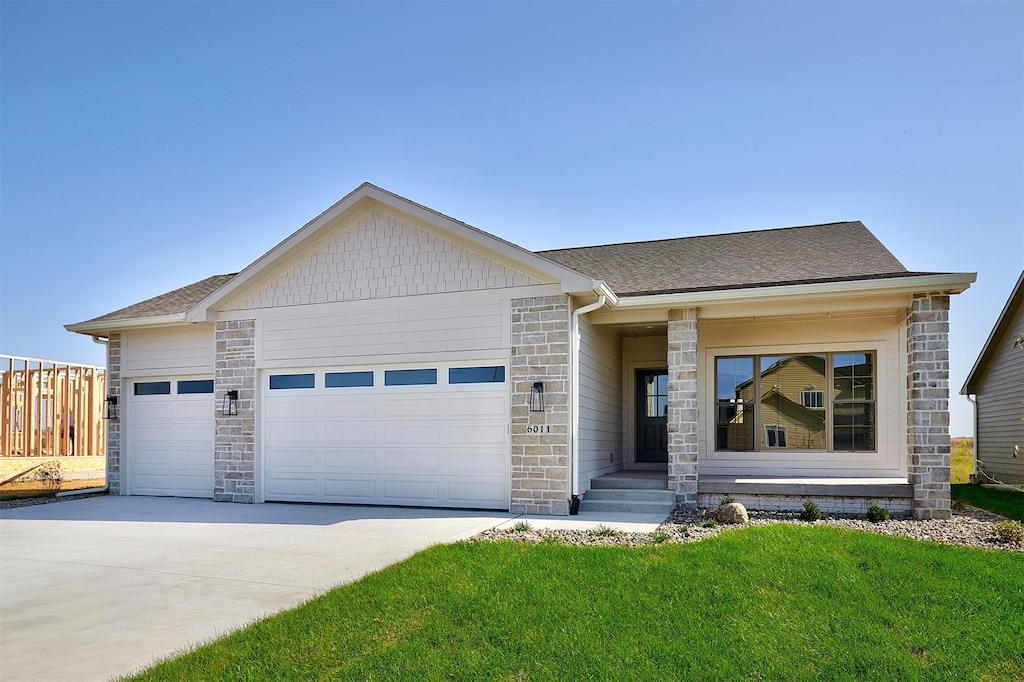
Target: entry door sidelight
(652,416)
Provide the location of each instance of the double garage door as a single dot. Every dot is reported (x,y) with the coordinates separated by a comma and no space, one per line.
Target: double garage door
(423,436)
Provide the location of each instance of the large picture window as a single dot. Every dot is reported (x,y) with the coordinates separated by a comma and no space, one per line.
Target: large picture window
(820,401)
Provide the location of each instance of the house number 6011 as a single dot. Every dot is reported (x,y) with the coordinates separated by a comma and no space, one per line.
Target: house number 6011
(538,428)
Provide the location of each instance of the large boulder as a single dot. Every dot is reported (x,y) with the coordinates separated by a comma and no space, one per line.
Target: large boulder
(733,512)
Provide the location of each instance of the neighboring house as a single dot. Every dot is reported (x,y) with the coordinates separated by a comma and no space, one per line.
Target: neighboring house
(997,383)
(388,354)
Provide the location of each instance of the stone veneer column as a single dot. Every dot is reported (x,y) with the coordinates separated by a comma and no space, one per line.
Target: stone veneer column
(540,440)
(234,457)
(928,404)
(113,426)
(682,405)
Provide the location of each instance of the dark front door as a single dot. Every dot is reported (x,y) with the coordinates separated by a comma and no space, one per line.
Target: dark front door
(652,416)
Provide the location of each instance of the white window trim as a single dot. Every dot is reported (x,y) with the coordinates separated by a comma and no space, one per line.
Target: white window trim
(779,458)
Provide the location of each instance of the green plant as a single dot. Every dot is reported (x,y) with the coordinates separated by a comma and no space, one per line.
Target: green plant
(877,514)
(48,476)
(708,523)
(1009,531)
(605,531)
(522,526)
(658,537)
(811,511)
(727,499)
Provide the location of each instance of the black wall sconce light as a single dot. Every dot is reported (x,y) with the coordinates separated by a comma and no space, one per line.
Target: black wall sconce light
(111,407)
(230,406)
(537,397)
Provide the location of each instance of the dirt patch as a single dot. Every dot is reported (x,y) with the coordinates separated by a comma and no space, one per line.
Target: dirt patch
(37,487)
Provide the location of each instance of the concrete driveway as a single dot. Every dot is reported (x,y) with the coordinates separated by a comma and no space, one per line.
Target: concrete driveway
(102,586)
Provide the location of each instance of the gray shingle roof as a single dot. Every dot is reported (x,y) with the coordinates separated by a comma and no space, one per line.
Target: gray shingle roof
(171,303)
(792,255)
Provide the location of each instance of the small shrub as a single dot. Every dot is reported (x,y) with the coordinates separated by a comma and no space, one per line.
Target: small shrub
(522,527)
(49,477)
(658,537)
(605,531)
(709,523)
(1009,531)
(811,511)
(877,514)
(727,499)
(551,540)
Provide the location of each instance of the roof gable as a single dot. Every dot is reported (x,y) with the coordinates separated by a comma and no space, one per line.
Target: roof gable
(1011,311)
(380,255)
(794,255)
(251,287)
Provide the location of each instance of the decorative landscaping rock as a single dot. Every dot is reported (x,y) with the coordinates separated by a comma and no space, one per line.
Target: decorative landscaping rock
(733,512)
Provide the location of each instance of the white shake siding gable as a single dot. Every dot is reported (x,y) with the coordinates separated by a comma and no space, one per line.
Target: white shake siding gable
(187,350)
(600,376)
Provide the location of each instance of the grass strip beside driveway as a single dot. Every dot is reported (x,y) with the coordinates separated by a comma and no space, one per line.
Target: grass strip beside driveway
(775,602)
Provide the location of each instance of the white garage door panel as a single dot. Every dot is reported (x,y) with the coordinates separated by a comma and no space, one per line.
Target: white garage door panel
(170,443)
(434,445)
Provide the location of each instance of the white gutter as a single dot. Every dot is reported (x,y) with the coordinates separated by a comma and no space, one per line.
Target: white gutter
(96,328)
(953,283)
(604,296)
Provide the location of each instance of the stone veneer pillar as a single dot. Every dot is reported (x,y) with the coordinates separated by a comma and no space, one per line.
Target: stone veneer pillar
(234,457)
(928,404)
(682,405)
(540,440)
(114,425)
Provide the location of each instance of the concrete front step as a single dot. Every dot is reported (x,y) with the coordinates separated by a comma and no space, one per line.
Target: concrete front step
(631,495)
(639,495)
(631,480)
(625,506)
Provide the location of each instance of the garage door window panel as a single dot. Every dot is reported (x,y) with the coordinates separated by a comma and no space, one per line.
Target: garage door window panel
(477,375)
(279,382)
(410,377)
(192,387)
(348,379)
(153,388)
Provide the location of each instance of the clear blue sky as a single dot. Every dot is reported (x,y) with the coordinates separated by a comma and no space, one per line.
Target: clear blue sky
(149,145)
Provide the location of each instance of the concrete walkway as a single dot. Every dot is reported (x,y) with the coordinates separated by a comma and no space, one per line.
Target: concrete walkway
(102,586)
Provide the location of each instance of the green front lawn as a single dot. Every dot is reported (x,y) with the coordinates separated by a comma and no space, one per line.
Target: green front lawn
(1009,503)
(770,602)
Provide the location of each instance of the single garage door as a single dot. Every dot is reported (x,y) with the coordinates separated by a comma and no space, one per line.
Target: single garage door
(432,436)
(171,437)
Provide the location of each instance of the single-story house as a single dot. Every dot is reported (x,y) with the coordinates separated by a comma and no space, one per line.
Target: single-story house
(997,383)
(388,354)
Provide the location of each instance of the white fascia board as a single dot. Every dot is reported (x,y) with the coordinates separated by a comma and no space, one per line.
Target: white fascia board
(953,283)
(356,201)
(103,326)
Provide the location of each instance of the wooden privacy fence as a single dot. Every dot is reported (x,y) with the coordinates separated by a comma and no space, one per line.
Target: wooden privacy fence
(51,409)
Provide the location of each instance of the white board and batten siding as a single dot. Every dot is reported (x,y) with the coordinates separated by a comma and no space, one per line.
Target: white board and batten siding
(433,327)
(600,391)
(444,444)
(999,393)
(168,351)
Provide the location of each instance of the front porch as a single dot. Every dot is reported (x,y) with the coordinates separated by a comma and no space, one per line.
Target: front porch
(648,492)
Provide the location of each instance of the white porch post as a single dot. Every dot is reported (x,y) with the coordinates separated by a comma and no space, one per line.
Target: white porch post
(682,405)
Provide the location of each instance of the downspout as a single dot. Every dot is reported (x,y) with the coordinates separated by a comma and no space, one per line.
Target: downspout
(974,467)
(604,296)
